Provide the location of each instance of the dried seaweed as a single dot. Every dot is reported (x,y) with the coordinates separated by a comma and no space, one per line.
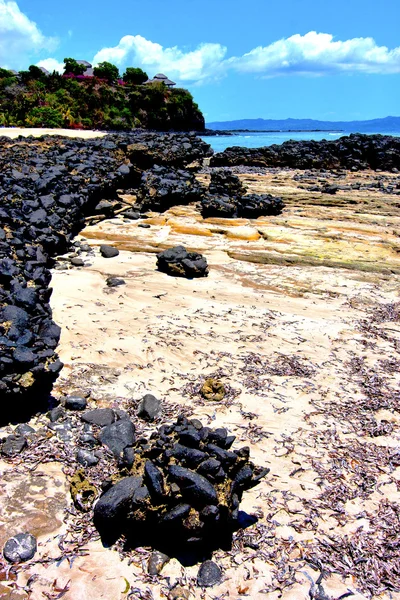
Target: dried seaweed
(371,557)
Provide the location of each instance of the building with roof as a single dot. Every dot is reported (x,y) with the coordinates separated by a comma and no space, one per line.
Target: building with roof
(161,78)
(89,67)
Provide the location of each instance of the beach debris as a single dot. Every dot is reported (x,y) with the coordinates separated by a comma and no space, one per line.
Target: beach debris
(83,492)
(179,262)
(213,389)
(179,593)
(20,548)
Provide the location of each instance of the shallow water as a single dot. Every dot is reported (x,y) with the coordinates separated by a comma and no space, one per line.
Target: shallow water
(257,139)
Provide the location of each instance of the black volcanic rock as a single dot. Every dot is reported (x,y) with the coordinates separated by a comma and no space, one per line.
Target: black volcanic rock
(108,251)
(163,187)
(179,262)
(209,574)
(176,497)
(225,183)
(47,188)
(118,436)
(356,152)
(226,199)
(20,548)
(253,206)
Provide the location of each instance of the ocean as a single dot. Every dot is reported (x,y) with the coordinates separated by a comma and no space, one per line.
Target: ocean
(257,139)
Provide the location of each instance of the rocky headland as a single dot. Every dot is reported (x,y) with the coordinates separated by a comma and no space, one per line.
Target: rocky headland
(259,402)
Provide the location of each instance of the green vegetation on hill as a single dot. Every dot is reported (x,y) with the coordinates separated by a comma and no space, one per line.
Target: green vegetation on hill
(34,99)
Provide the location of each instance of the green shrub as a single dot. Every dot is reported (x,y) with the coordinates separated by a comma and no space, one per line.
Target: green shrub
(44,116)
(135,76)
(106,70)
(71,66)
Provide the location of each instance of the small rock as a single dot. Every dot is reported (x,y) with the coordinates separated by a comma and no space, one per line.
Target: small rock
(86,458)
(131,214)
(149,408)
(24,429)
(108,251)
(88,439)
(114,281)
(144,225)
(118,436)
(13,445)
(75,403)
(209,574)
(20,548)
(99,416)
(154,479)
(193,486)
(56,414)
(77,262)
(115,500)
(156,562)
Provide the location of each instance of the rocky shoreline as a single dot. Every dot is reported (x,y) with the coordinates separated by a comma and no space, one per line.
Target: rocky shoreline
(355,152)
(238,350)
(47,190)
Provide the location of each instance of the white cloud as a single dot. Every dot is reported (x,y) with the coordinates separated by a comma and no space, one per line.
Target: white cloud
(196,65)
(310,54)
(19,37)
(51,64)
(318,53)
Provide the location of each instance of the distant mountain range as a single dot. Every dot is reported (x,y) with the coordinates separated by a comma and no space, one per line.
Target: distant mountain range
(388,124)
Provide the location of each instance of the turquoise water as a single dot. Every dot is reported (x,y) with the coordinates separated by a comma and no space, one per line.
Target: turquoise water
(256,139)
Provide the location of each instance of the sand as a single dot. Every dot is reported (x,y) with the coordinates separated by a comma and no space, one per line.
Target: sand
(14,132)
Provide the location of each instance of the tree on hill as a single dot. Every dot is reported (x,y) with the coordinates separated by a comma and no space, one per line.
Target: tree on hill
(33,73)
(135,76)
(106,70)
(5,73)
(72,67)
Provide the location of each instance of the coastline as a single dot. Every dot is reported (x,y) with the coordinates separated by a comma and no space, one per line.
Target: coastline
(297,317)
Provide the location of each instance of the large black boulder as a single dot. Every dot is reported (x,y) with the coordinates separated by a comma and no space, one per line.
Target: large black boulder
(179,262)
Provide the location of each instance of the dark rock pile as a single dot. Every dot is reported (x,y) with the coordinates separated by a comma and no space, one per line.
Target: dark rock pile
(355,152)
(227,199)
(182,488)
(225,183)
(172,150)
(47,188)
(163,187)
(179,262)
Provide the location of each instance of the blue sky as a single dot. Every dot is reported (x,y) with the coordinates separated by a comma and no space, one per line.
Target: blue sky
(240,59)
